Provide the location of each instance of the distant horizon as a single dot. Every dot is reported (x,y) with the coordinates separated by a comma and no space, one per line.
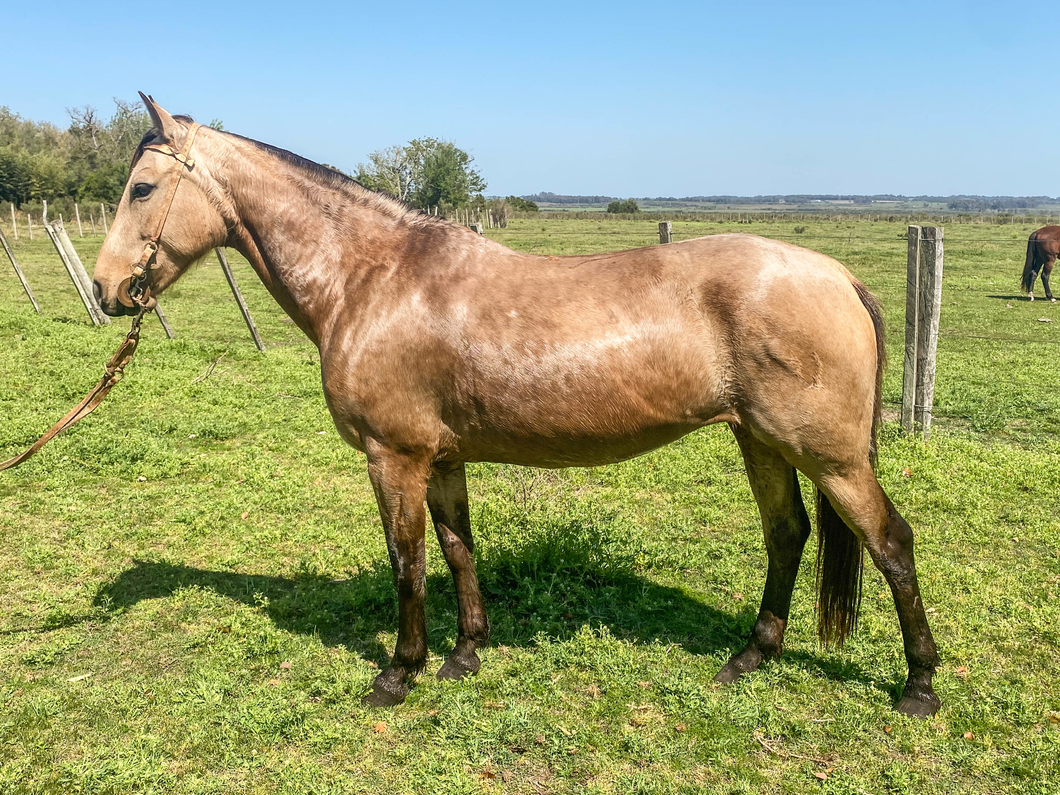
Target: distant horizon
(875,197)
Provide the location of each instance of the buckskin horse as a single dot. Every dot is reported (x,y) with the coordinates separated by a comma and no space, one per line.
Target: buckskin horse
(1043,247)
(439,347)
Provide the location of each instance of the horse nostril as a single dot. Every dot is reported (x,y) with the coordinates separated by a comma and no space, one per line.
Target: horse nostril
(97,291)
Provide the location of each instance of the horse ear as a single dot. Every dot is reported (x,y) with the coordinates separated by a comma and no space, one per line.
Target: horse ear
(170,129)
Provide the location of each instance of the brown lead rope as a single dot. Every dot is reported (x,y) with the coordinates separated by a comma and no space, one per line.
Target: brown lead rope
(112,374)
(140,297)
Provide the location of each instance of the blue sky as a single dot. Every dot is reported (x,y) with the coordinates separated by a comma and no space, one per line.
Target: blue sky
(623,99)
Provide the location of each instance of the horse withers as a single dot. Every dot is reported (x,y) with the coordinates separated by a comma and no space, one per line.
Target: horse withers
(1043,247)
(439,347)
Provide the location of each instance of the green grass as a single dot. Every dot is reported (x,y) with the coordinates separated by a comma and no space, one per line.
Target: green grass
(166,560)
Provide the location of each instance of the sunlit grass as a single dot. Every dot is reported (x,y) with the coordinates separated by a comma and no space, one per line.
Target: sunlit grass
(166,559)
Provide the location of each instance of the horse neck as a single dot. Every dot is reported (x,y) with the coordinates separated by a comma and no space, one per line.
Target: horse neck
(309,242)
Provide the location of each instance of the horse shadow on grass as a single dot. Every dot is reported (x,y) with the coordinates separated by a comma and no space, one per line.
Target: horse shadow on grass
(535,591)
(1015,298)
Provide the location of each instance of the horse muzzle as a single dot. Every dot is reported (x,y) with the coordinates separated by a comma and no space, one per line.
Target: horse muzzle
(124,305)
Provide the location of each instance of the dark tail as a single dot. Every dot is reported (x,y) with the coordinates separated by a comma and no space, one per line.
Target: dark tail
(839,554)
(872,306)
(1030,269)
(839,551)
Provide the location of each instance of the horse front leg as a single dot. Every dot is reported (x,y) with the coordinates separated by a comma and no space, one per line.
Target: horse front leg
(400,484)
(447,500)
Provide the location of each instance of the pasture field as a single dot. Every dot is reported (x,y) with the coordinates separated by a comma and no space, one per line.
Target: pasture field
(196,591)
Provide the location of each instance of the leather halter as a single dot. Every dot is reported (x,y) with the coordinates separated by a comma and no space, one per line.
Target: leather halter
(139,293)
(137,287)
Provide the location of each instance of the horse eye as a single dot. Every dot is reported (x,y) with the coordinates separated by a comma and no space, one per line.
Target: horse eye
(141,189)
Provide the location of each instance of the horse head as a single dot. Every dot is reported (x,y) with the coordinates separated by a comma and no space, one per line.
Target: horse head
(170,215)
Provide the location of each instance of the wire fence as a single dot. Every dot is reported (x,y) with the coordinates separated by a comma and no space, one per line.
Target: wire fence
(971,255)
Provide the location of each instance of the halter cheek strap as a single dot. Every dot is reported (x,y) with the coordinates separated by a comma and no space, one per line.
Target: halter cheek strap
(139,290)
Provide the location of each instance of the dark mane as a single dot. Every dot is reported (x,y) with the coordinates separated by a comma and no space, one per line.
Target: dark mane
(323,175)
(329,176)
(335,179)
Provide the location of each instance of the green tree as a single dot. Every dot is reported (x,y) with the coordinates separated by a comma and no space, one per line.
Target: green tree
(425,173)
(446,176)
(16,176)
(623,206)
(389,171)
(521,205)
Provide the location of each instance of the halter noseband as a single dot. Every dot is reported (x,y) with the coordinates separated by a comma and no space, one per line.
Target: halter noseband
(139,291)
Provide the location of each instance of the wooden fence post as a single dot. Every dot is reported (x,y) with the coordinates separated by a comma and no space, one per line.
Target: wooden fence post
(103,210)
(928,313)
(77,272)
(29,222)
(923,309)
(239,299)
(912,281)
(77,212)
(14,225)
(666,232)
(18,271)
(162,320)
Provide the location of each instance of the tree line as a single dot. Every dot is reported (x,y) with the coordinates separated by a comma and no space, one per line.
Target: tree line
(89,160)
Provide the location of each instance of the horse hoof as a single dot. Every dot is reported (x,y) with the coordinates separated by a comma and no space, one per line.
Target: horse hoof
(743,663)
(382,698)
(388,690)
(919,706)
(727,675)
(455,669)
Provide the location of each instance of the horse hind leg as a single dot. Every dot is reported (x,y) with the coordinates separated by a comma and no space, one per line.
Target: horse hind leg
(447,500)
(775,485)
(1046,273)
(857,499)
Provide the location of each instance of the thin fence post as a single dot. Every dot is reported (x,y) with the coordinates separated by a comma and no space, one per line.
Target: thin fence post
(78,277)
(162,319)
(18,271)
(239,299)
(77,212)
(666,232)
(912,281)
(14,224)
(928,311)
(103,210)
(44,214)
(29,222)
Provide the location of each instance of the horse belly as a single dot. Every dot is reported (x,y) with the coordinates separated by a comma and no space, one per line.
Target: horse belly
(586,405)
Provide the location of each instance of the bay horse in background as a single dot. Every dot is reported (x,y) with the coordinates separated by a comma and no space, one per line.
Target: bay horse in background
(1043,247)
(439,347)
